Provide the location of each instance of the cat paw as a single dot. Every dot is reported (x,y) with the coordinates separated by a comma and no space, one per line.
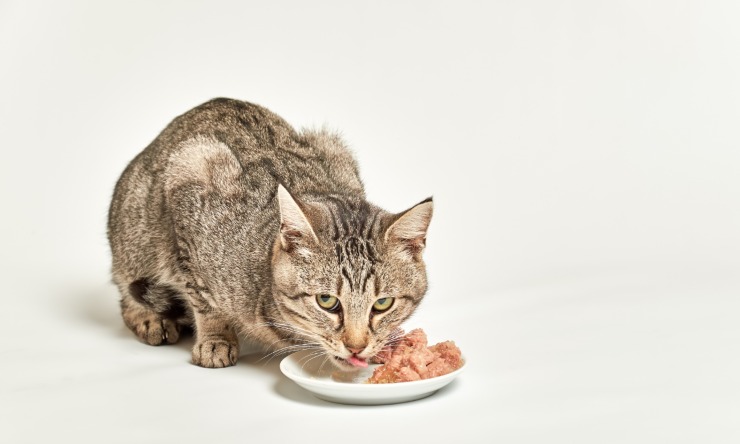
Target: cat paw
(155,330)
(215,353)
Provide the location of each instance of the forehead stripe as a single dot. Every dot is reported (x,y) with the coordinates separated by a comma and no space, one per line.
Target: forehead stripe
(345,273)
(371,225)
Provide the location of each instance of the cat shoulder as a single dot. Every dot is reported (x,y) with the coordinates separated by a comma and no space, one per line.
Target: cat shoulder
(205,161)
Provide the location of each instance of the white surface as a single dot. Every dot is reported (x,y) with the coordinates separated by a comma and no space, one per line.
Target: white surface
(319,378)
(584,159)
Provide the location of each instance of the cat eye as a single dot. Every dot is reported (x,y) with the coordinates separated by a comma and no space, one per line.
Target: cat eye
(328,302)
(382,304)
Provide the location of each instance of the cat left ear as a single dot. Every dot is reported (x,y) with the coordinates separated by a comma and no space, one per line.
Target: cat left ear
(295,229)
(409,230)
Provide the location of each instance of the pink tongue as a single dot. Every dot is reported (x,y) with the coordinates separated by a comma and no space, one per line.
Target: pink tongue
(357,362)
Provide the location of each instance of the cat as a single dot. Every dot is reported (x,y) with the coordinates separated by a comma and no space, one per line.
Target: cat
(233,224)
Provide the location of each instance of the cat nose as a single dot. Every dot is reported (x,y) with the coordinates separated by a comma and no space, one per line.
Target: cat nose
(356,350)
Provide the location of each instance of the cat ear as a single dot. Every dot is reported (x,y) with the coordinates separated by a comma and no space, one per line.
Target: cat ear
(295,229)
(409,230)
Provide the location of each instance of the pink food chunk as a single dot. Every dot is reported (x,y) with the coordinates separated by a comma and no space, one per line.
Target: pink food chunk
(409,359)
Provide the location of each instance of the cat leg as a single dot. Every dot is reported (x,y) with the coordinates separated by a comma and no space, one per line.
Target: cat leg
(152,312)
(216,342)
(201,183)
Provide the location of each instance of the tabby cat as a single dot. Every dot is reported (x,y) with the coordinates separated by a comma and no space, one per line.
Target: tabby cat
(235,225)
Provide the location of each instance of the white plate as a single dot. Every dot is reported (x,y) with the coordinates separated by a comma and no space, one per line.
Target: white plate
(326,382)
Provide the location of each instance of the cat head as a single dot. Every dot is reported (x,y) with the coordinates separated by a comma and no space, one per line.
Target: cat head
(346,274)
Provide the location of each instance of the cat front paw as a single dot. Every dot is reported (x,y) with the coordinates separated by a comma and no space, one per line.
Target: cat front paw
(215,353)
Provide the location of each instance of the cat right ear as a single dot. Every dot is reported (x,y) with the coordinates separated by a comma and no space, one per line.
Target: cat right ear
(295,229)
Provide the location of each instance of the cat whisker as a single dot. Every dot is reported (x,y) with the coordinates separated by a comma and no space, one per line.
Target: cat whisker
(292,328)
(296,334)
(290,349)
(313,356)
(293,348)
(326,359)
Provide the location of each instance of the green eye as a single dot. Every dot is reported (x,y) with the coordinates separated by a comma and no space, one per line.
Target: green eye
(327,302)
(383,304)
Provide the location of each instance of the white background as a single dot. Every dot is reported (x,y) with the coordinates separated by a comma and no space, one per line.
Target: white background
(584,158)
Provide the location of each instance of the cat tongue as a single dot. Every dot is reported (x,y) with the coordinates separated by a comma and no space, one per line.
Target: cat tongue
(357,362)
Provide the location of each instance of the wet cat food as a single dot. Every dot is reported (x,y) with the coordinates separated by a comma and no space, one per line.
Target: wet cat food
(410,359)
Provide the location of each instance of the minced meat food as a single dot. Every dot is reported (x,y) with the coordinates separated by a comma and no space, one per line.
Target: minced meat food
(410,359)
